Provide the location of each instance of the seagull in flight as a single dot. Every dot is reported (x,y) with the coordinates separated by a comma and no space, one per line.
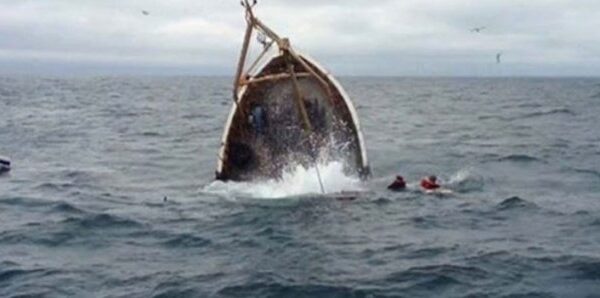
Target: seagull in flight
(498,57)
(478,29)
(145,12)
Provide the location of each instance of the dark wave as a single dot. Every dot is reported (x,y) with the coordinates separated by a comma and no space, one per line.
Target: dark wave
(151,134)
(582,212)
(76,174)
(429,252)
(76,178)
(22,283)
(586,269)
(55,186)
(436,276)
(565,111)
(8,274)
(11,270)
(595,223)
(102,220)
(370,252)
(382,201)
(586,171)
(198,116)
(424,222)
(514,203)
(53,206)
(597,95)
(527,294)
(523,158)
(5,264)
(273,289)
(186,241)
(485,117)
(42,236)
(529,105)
(11,237)
(179,292)
(24,201)
(64,207)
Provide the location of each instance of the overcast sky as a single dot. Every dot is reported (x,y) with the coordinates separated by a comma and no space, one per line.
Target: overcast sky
(349,37)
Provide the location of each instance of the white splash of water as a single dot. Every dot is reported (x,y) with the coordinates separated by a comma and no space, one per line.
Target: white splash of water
(297,181)
(466,180)
(460,176)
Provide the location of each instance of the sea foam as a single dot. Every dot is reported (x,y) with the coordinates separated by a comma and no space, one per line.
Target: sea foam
(296,181)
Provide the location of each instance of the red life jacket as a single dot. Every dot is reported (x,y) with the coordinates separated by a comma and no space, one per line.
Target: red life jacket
(428,184)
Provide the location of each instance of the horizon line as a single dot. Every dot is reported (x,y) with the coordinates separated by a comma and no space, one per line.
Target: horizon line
(100,74)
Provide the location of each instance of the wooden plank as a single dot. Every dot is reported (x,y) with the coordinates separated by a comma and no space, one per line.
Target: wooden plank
(275,77)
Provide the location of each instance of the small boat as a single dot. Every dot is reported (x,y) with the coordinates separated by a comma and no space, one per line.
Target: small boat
(4,164)
(287,111)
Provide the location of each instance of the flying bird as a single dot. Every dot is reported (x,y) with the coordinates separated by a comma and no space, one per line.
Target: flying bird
(498,57)
(145,12)
(478,29)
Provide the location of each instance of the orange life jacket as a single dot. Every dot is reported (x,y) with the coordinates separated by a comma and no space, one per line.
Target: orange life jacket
(428,184)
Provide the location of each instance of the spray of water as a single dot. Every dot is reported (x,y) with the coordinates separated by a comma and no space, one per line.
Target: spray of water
(466,180)
(297,181)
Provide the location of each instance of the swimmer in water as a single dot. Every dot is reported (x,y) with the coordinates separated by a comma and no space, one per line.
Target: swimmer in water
(429,183)
(398,184)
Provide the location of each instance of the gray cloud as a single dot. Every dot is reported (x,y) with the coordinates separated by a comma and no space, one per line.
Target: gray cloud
(355,37)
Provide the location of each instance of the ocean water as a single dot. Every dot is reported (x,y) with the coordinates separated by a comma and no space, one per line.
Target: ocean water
(83,211)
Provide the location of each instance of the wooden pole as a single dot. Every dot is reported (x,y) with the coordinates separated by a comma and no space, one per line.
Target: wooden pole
(266,30)
(241,61)
(298,97)
(302,112)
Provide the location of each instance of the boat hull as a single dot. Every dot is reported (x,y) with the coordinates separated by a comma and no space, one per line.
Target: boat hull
(264,134)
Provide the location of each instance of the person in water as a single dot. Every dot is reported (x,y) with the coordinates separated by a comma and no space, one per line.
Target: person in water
(398,184)
(429,183)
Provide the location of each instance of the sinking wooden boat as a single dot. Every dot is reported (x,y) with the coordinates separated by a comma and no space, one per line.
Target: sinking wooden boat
(287,111)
